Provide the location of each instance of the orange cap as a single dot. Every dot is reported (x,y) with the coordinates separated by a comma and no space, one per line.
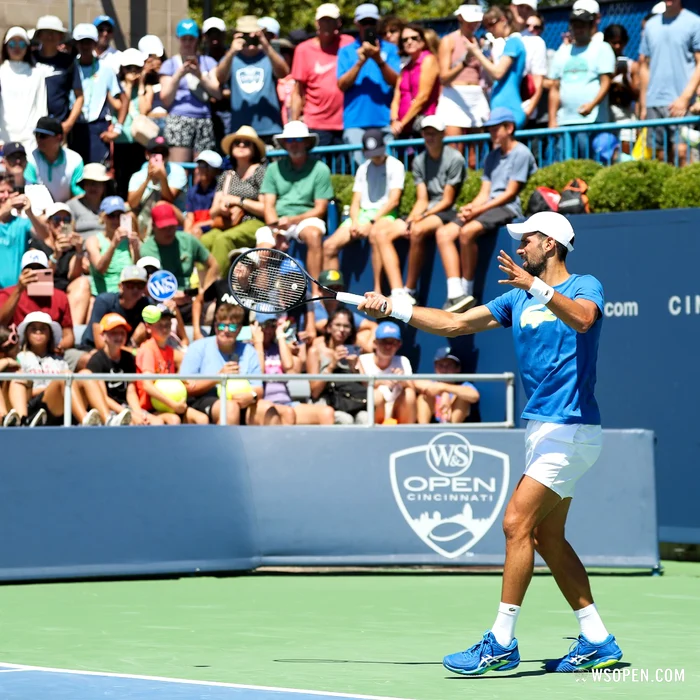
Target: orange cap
(111,321)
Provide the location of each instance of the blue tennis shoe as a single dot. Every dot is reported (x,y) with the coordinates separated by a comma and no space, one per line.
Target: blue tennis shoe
(584,656)
(486,655)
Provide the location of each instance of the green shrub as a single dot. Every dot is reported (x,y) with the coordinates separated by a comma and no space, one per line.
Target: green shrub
(558,175)
(682,189)
(470,188)
(631,186)
(342,187)
(408,198)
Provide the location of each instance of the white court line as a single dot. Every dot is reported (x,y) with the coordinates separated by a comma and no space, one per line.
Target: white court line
(11,670)
(184,681)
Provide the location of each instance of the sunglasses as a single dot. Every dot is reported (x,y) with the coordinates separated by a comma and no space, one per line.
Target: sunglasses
(115,214)
(13,338)
(105,28)
(230,327)
(413,37)
(295,140)
(21,44)
(534,27)
(243,144)
(42,137)
(56,220)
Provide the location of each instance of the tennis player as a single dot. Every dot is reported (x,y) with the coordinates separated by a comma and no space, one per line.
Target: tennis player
(556,319)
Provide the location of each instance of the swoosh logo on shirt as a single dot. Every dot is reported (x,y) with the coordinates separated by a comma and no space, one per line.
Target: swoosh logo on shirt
(320,69)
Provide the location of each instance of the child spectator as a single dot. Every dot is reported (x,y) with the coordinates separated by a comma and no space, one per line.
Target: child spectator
(9,347)
(86,207)
(200,197)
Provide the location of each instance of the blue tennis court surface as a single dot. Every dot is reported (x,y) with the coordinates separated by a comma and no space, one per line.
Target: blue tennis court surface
(35,683)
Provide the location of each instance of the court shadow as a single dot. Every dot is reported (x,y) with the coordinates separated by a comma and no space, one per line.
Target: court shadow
(357,661)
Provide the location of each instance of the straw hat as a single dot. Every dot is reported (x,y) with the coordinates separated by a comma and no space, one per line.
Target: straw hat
(244,133)
(247,24)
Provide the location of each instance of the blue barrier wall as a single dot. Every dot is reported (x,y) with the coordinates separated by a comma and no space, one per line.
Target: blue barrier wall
(648,376)
(85,502)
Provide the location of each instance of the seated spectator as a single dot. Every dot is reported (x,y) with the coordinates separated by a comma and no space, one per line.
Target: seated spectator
(18,301)
(157,356)
(296,191)
(117,402)
(376,195)
(41,400)
(581,75)
(336,352)
(279,354)
(364,326)
(22,90)
(15,231)
(237,197)
(53,165)
(9,347)
(223,353)
(463,105)
(94,131)
(200,196)
(508,166)
(389,28)
(317,97)
(85,208)
(418,87)
(394,401)
(109,252)
(188,80)
(178,252)
(445,402)
(624,89)
(438,173)
(128,153)
(368,70)
(63,78)
(251,66)
(65,250)
(159,180)
(128,302)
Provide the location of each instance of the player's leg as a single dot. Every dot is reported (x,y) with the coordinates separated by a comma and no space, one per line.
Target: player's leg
(416,256)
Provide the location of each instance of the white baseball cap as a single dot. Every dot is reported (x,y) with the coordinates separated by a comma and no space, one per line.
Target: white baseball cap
(151,45)
(328,9)
(54,208)
(587,5)
(34,257)
(85,31)
(270,24)
(470,13)
(367,10)
(149,261)
(50,22)
(132,57)
(529,3)
(659,8)
(433,121)
(211,158)
(548,223)
(213,23)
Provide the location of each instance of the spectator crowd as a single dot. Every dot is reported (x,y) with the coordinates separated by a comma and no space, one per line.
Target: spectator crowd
(95,195)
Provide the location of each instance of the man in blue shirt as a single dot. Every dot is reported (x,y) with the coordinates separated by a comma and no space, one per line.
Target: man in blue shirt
(367,73)
(222,353)
(556,319)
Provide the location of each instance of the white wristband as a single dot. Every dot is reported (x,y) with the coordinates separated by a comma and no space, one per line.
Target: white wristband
(117,128)
(541,291)
(401,308)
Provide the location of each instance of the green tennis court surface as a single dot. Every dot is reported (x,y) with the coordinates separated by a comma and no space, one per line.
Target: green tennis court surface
(372,635)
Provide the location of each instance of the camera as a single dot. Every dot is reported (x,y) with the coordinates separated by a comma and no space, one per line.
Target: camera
(252,40)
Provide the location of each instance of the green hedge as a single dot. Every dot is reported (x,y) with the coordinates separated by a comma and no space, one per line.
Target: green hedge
(632,186)
(682,189)
(558,175)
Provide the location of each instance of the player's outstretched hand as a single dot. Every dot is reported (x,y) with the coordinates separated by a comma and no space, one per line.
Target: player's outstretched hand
(375,305)
(517,277)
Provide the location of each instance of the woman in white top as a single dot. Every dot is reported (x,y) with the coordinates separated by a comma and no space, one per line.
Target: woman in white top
(22,90)
(395,401)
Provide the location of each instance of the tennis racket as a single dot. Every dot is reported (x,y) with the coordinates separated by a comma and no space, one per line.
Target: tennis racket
(270,281)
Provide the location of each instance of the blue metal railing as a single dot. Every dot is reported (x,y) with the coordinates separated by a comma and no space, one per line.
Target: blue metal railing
(547,145)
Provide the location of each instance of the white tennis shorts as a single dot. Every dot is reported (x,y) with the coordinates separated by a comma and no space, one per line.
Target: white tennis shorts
(559,455)
(464,106)
(266,235)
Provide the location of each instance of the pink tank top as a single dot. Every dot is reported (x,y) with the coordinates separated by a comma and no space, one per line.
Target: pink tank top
(410,81)
(472,73)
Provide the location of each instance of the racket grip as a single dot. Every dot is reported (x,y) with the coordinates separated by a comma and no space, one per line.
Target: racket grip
(354,299)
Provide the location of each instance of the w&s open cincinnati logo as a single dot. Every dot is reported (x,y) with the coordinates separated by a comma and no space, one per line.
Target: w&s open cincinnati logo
(449,491)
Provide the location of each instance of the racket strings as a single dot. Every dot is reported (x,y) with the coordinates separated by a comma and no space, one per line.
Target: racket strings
(267,281)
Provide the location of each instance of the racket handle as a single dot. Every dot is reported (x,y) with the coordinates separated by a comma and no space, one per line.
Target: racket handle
(354,299)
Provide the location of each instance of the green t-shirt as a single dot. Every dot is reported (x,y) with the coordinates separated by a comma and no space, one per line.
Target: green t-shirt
(297,190)
(179,257)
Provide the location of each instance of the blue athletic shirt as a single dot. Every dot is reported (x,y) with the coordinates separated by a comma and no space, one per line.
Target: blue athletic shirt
(557,364)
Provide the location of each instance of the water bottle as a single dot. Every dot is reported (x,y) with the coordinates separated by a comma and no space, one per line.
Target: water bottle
(346,213)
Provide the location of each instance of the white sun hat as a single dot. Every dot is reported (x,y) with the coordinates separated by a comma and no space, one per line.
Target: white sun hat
(295,130)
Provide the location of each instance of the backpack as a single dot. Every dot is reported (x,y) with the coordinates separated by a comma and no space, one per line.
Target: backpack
(574,199)
(543,199)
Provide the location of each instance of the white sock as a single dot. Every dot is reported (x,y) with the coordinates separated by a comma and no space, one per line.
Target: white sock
(398,290)
(410,291)
(504,627)
(454,288)
(592,627)
(468,286)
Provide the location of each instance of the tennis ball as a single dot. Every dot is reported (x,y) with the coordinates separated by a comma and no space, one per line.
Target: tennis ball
(234,387)
(174,389)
